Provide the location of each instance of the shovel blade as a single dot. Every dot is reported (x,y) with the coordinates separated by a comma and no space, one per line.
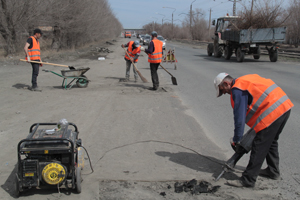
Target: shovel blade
(174,81)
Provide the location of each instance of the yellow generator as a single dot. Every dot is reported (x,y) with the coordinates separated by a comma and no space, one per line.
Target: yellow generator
(50,158)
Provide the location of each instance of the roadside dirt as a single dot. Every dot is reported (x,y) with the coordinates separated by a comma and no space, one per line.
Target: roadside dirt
(141,142)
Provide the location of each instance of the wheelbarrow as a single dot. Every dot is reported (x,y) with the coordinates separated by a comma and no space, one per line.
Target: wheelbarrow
(74,76)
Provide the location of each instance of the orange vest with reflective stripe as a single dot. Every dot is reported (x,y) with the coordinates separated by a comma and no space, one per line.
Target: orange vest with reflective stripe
(131,52)
(156,56)
(34,52)
(269,101)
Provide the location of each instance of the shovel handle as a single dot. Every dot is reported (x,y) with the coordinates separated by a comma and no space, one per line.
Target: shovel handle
(45,63)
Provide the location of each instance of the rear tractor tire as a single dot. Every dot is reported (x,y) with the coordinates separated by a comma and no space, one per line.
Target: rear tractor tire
(227,53)
(240,55)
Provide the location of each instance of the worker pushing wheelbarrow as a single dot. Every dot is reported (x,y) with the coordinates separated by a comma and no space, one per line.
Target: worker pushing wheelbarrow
(75,76)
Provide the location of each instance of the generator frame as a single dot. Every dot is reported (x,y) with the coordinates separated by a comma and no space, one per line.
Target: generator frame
(34,154)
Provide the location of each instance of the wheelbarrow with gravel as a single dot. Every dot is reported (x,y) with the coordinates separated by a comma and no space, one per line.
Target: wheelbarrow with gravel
(75,76)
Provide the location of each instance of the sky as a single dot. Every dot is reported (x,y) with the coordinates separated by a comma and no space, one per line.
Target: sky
(133,14)
(136,13)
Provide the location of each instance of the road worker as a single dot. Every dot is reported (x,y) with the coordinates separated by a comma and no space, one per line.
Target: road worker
(32,51)
(155,54)
(265,108)
(133,51)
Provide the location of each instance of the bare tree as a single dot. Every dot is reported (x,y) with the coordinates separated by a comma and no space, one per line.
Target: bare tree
(74,22)
(293,23)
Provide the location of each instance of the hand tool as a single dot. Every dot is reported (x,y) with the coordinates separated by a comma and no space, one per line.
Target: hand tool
(141,76)
(46,63)
(245,147)
(174,81)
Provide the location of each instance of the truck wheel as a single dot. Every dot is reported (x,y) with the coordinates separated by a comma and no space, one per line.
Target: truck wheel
(257,55)
(218,51)
(240,55)
(273,55)
(210,49)
(227,53)
(78,180)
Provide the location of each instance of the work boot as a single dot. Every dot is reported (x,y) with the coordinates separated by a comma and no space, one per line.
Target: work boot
(36,89)
(267,174)
(235,183)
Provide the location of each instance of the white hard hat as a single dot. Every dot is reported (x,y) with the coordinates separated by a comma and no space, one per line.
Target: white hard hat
(219,80)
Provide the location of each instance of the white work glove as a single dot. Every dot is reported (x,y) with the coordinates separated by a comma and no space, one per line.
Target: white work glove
(28,59)
(142,48)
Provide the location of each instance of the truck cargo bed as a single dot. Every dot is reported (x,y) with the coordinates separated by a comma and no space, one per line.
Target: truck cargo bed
(259,36)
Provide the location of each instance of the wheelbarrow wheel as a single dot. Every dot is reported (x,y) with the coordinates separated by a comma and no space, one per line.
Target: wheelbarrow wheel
(82,82)
(78,180)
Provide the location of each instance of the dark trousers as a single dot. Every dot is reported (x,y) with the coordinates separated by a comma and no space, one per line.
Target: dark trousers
(265,146)
(35,73)
(154,76)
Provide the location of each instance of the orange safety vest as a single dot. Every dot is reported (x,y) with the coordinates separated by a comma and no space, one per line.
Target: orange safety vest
(269,101)
(34,52)
(131,52)
(156,56)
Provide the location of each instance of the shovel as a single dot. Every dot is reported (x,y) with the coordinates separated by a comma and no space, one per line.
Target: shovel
(174,81)
(70,67)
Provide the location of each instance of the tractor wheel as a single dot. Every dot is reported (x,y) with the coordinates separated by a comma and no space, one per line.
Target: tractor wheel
(227,53)
(273,55)
(78,180)
(218,51)
(81,82)
(257,55)
(240,55)
(210,49)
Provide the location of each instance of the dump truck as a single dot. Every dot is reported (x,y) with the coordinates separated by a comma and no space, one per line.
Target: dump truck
(228,39)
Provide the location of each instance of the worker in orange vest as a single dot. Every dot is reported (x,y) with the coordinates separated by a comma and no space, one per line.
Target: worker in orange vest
(155,54)
(265,108)
(133,51)
(32,51)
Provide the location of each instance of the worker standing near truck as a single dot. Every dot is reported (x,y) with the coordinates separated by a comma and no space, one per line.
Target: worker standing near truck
(133,50)
(155,54)
(265,108)
(32,51)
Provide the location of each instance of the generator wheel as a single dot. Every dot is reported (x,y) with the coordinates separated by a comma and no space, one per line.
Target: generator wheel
(81,82)
(17,187)
(78,180)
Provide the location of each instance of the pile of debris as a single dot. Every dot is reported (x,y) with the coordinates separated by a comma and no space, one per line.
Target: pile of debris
(103,50)
(194,188)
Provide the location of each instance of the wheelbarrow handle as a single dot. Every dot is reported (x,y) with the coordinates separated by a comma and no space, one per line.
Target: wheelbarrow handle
(46,63)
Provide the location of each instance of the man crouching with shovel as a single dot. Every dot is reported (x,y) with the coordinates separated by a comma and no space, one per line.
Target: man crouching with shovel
(133,53)
(265,108)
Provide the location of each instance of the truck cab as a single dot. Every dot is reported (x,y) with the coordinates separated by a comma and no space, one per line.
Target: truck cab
(127,34)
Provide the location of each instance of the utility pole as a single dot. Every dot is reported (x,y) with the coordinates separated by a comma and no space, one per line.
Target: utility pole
(234,6)
(191,14)
(209,23)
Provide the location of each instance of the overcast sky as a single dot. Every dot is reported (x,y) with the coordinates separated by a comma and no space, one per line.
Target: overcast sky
(136,13)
